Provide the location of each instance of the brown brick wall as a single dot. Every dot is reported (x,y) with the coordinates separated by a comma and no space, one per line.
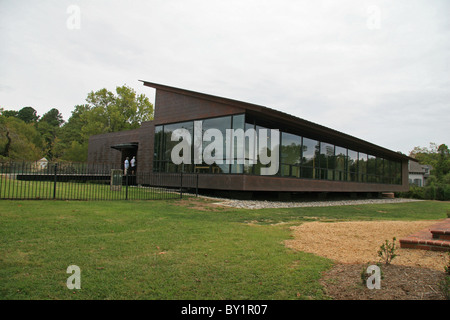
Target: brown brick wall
(100,151)
(145,151)
(172,107)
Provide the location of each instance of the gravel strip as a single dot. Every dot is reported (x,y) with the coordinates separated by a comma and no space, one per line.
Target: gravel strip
(253,204)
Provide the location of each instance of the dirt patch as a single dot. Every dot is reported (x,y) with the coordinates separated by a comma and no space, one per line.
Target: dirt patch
(413,274)
(344,282)
(200,204)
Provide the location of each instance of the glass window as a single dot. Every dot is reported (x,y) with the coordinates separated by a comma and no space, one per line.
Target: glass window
(264,149)
(219,165)
(371,168)
(380,167)
(352,165)
(340,172)
(158,148)
(362,167)
(397,172)
(326,161)
(290,154)
(309,150)
(237,164)
(387,172)
(168,144)
(251,152)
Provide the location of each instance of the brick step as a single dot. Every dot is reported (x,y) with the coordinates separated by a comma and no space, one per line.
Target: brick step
(432,245)
(441,232)
(435,238)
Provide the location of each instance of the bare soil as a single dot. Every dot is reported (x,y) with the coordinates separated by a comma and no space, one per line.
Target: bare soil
(413,274)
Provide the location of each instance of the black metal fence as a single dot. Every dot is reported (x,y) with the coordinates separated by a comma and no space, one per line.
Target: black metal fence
(86,181)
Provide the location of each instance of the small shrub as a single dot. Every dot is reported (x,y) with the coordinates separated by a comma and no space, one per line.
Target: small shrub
(447,267)
(445,284)
(445,287)
(387,251)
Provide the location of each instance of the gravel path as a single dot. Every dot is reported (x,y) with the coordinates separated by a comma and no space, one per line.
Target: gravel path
(254,204)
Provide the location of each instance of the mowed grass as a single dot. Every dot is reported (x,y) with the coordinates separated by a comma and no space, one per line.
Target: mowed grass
(173,249)
(46,190)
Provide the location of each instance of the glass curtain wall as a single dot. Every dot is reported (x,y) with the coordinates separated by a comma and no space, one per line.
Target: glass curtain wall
(299,157)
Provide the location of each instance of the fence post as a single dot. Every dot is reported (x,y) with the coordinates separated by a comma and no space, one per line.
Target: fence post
(54,181)
(196,187)
(126,185)
(181,185)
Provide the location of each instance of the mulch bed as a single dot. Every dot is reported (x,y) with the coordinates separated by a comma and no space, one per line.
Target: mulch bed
(344,282)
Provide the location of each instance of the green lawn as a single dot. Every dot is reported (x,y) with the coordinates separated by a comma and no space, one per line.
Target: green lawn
(165,250)
(46,190)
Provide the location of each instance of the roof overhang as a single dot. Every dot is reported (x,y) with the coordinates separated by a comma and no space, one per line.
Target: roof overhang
(290,121)
(122,146)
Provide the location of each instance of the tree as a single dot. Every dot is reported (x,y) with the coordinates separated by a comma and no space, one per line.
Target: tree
(443,162)
(28,115)
(108,112)
(9,113)
(111,113)
(48,126)
(438,156)
(104,112)
(19,140)
(54,118)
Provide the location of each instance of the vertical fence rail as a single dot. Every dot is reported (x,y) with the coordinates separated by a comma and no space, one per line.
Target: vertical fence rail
(87,181)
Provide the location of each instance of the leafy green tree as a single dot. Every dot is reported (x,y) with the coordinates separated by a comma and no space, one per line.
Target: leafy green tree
(76,152)
(54,118)
(104,112)
(109,112)
(28,115)
(49,128)
(9,113)
(438,156)
(443,162)
(19,140)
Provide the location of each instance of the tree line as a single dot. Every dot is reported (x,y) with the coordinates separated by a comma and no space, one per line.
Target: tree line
(24,135)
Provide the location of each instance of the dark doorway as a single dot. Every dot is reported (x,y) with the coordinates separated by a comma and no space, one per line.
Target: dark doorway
(128,150)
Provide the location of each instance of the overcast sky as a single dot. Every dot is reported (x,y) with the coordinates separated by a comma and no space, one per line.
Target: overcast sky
(377,70)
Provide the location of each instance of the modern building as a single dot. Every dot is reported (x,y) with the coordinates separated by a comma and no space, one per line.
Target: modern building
(312,158)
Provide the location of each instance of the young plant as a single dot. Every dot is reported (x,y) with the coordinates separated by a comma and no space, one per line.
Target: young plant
(447,267)
(387,251)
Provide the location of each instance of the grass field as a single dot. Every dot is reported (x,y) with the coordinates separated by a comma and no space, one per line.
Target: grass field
(47,190)
(168,249)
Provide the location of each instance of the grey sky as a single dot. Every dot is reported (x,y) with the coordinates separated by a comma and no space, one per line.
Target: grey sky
(377,70)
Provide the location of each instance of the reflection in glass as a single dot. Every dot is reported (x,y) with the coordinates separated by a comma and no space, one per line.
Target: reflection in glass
(221,124)
(326,161)
(290,155)
(362,167)
(352,165)
(371,168)
(341,164)
(309,150)
(168,144)
(237,163)
(300,157)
